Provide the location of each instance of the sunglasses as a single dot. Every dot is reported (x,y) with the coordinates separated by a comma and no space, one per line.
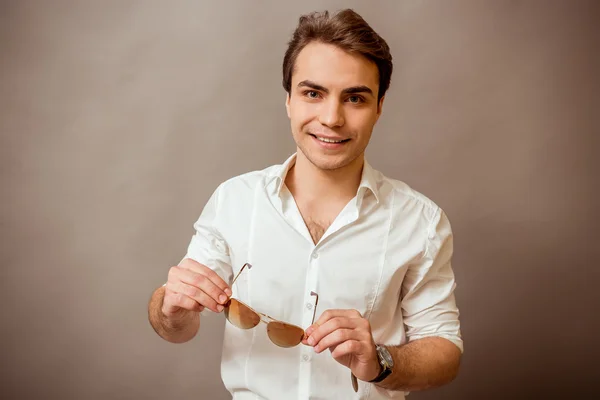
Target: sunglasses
(244,317)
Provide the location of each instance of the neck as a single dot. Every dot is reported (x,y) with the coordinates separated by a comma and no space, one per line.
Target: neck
(310,182)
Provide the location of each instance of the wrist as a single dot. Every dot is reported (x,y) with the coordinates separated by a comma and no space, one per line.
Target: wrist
(180,327)
(386,363)
(173,318)
(176,319)
(376,369)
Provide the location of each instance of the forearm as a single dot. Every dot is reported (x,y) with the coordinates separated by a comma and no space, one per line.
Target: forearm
(423,364)
(179,329)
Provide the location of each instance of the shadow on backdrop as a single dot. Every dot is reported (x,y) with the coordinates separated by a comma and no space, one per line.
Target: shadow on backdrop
(117,121)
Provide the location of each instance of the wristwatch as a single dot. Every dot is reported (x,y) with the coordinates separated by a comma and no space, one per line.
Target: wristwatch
(386,361)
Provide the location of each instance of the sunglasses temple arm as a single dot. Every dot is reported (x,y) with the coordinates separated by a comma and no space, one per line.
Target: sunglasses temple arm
(315,307)
(238,274)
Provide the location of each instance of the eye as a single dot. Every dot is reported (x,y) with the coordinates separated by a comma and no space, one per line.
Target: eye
(311,94)
(355,99)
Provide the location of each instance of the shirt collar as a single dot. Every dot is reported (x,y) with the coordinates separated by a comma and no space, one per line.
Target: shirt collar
(279,173)
(368,179)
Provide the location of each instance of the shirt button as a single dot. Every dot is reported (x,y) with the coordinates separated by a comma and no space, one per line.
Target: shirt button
(305,357)
(309,306)
(315,255)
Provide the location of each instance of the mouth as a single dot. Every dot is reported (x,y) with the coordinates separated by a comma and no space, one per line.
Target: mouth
(329,140)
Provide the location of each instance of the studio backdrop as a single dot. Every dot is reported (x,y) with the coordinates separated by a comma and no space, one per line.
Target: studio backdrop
(118,119)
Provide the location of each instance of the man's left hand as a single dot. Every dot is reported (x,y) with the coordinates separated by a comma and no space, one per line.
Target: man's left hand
(348,336)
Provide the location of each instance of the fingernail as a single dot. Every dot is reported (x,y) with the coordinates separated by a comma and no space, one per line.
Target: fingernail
(228,292)
(220,308)
(311,341)
(222,298)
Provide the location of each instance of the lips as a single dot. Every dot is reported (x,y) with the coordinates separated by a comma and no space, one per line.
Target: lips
(329,139)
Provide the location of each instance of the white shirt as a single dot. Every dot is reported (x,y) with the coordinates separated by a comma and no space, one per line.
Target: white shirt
(387,255)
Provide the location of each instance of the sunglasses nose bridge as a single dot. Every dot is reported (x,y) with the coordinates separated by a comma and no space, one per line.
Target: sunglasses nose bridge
(280,333)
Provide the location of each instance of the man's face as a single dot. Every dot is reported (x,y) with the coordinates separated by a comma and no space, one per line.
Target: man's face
(333,105)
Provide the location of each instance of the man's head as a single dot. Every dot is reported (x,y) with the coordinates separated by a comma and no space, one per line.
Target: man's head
(336,72)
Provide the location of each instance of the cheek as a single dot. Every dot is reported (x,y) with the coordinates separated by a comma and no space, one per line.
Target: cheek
(300,114)
(362,124)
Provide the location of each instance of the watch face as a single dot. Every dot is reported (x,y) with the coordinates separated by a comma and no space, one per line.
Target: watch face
(385,355)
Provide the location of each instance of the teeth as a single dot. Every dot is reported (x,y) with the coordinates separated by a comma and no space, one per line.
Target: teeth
(329,140)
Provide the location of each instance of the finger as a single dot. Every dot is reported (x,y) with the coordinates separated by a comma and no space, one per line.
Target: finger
(195,266)
(332,325)
(337,338)
(196,294)
(332,313)
(201,282)
(173,302)
(305,339)
(349,347)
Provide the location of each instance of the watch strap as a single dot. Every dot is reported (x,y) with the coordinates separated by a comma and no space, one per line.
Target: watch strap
(382,375)
(386,367)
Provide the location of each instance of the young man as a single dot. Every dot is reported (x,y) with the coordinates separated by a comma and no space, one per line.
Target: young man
(324,243)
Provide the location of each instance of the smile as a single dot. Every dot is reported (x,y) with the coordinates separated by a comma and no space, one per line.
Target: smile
(327,140)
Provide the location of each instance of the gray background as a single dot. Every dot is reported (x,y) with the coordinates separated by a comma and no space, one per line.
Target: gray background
(119,118)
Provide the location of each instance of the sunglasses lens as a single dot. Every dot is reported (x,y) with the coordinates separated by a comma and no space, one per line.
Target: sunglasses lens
(284,335)
(241,315)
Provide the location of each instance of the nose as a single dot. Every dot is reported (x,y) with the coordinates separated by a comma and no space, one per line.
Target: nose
(331,114)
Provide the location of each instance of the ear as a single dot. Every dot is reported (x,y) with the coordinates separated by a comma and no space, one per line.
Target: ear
(287,104)
(380,107)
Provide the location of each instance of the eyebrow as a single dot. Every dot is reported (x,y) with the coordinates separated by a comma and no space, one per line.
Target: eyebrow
(350,90)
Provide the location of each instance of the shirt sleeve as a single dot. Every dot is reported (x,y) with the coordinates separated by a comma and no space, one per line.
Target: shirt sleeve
(428,303)
(207,246)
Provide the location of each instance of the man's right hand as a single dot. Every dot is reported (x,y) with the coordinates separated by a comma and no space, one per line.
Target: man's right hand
(192,286)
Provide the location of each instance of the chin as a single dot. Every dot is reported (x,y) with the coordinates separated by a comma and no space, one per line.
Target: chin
(327,162)
(327,166)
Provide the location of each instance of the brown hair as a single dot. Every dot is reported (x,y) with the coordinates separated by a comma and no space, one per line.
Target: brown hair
(346,30)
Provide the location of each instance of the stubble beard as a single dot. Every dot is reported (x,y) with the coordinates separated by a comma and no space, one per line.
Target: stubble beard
(327,165)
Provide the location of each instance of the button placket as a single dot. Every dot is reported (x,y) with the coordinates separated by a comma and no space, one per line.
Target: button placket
(311,285)
(306,356)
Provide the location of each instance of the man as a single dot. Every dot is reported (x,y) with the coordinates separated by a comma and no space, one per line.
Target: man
(324,243)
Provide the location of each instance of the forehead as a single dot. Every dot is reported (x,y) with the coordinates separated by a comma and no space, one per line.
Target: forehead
(334,68)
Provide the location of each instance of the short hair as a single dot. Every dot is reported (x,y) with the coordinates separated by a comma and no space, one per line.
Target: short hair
(346,30)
